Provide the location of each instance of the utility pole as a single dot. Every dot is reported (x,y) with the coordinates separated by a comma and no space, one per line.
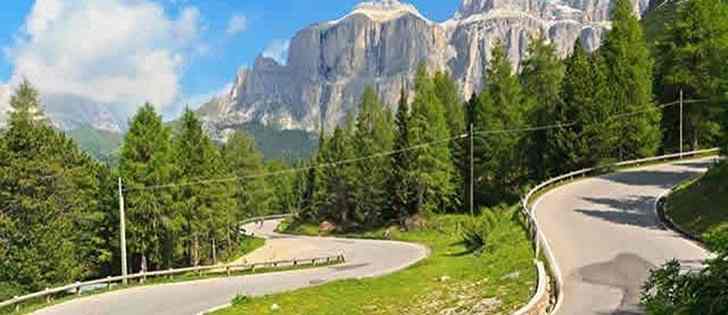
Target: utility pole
(681,124)
(472,171)
(122,228)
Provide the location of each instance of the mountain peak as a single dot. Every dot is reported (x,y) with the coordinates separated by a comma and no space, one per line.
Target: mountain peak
(383,10)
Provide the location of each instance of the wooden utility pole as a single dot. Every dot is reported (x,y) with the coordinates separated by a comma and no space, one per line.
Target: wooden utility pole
(122,229)
(681,124)
(472,171)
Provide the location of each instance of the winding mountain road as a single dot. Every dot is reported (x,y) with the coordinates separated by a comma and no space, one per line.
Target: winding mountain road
(365,258)
(606,236)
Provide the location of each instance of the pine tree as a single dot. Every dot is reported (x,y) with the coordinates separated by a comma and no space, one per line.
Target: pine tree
(341,191)
(207,212)
(448,93)
(432,167)
(691,53)
(222,230)
(502,105)
(48,209)
(146,161)
(587,136)
(542,75)
(283,187)
(244,160)
(25,104)
(400,186)
(629,68)
(374,135)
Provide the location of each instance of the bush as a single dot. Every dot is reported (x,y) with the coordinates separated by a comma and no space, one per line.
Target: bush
(477,233)
(670,290)
(240,299)
(8,290)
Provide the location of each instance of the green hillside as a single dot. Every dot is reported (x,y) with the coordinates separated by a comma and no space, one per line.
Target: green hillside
(702,205)
(98,143)
(278,144)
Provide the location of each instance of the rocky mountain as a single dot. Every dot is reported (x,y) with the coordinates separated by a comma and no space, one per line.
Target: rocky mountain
(380,43)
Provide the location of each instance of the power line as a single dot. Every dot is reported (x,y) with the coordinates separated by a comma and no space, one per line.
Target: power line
(302,169)
(393,152)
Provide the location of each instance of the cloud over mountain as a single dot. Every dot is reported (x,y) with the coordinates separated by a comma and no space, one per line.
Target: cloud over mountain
(109,52)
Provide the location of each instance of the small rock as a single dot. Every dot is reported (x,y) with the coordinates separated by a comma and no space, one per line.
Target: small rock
(275,307)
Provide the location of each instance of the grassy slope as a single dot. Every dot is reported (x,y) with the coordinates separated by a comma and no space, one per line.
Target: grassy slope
(701,205)
(99,144)
(421,289)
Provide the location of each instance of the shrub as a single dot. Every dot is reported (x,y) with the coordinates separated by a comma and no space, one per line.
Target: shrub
(670,290)
(239,300)
(477,233)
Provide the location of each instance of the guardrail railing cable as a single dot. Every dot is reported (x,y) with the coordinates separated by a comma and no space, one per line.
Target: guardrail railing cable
(541,244)
(210,269)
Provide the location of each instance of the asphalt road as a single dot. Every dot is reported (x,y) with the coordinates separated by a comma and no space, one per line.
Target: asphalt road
(606,236)
(365,258)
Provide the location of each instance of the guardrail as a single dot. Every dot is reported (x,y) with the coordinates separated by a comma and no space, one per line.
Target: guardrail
(541,244)
(212,269)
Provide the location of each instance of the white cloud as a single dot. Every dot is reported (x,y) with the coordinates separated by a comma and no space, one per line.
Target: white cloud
(108,51)
(237,24)
(4,100)
(196,101)
(278,50)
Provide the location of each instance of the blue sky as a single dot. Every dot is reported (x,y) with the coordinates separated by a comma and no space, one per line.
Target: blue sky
(228,34)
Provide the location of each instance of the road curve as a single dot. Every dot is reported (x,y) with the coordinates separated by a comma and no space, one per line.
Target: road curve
(365,258)
(606,236)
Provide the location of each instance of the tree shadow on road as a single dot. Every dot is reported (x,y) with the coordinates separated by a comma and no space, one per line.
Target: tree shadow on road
(624,218)
(633,210)
(652,178)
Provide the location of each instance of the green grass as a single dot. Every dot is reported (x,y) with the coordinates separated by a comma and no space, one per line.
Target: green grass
(449,278)
(701,205)
(247,246)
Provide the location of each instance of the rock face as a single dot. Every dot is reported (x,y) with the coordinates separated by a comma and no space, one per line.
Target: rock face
(380,43)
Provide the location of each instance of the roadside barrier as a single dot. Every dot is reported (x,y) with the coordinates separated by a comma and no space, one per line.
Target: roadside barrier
(541,244)
(228,269)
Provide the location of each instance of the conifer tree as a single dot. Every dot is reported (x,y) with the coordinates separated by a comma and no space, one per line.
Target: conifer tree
(400,186)
(283,187)
(502,105)
(341,186)
(587,136)
(542,75)
(692,50)
(48,208)
(146,161)
(448,93)
(432,166)
(629,69)
(374,134)
(207,212)
(244,160)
